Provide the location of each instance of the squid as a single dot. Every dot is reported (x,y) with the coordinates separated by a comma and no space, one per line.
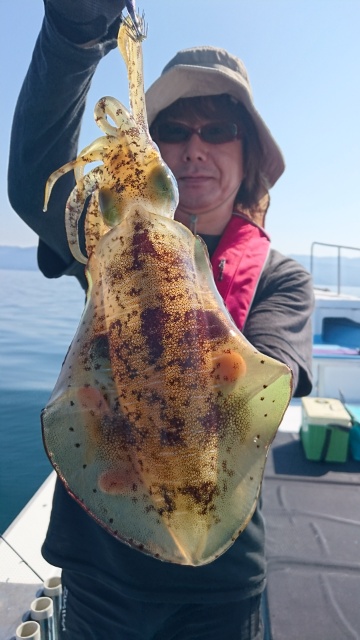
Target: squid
(163,413)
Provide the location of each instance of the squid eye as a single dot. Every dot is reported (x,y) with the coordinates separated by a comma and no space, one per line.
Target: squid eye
(108,207)
(162,183)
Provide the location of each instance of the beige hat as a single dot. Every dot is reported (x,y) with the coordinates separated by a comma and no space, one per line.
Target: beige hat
(206,71)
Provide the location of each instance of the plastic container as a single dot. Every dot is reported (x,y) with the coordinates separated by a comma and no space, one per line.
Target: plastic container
(325,429)
(354,438)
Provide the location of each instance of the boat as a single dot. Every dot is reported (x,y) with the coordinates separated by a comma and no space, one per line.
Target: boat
(336,336)
(311,508)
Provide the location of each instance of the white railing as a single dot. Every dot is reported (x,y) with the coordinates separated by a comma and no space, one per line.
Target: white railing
(339,248)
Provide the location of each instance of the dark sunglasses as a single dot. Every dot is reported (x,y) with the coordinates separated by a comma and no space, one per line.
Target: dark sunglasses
(213,132)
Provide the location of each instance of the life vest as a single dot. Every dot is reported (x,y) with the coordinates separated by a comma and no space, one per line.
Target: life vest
(238,262)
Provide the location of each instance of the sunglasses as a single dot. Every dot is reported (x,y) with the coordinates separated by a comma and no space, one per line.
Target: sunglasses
(213,132)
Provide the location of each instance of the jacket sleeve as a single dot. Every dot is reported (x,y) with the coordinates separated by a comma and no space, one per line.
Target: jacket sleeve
(279,323)
(44,136)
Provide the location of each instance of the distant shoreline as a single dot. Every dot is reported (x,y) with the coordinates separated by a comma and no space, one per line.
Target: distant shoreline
(18,258)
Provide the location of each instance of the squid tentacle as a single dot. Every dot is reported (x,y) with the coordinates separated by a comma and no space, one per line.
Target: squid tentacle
(92,153)
(54,178)
(74,208)
(97,151)
(117,150)
(132,55)
(110,107)
(95,226)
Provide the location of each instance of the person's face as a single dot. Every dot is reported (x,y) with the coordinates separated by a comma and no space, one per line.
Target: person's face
(208,176)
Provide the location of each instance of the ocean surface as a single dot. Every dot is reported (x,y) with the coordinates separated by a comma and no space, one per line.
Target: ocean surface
(38,319)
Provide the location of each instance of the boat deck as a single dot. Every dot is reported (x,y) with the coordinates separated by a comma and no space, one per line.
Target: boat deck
(22,567)
(312,512)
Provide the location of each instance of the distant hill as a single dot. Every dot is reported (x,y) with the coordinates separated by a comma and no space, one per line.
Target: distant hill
(18,258)
(324,268)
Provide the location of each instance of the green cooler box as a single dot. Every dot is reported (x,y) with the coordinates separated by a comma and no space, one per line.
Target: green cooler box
(325,429)
(354,439)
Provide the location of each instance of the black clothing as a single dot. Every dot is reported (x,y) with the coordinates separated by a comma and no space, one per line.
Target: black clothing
(127,619)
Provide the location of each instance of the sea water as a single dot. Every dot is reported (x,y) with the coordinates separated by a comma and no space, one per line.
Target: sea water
(38,319)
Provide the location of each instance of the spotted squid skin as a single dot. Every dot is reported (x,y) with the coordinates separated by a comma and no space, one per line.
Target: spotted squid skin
(163,413)
(171,409)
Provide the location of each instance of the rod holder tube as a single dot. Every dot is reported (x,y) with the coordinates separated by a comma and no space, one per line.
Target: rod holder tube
(53,589)
(29,630)
(42,611)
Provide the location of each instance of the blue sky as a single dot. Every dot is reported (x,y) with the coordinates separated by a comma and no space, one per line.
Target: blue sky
(303,58)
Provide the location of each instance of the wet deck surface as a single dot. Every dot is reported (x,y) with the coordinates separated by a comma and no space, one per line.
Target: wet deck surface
(312,512)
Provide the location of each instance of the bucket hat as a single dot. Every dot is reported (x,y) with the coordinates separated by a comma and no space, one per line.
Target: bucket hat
(205,71)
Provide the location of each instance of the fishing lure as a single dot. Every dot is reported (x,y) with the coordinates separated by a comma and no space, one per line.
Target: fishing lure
(163,413)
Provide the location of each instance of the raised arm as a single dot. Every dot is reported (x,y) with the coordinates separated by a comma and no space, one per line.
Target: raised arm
(48,116)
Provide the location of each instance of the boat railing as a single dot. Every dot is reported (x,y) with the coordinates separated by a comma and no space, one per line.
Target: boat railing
(339,248)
